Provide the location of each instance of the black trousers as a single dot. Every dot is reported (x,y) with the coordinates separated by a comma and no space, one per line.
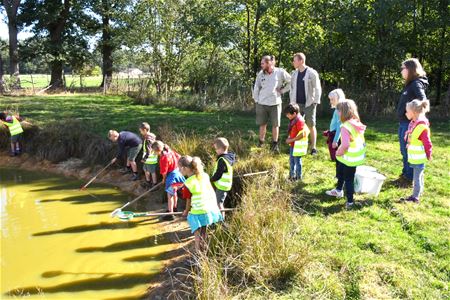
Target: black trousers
(346,176)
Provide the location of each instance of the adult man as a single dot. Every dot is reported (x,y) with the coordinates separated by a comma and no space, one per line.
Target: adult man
(306,91)
(127,141)
(270,83)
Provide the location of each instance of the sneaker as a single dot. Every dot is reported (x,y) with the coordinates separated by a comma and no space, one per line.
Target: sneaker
(412,199)
(293,179)
(168,218)
(403,182)
(125,170)
(192,262)
(135,177)
(335,193)
(349,205)
(275,148)
(260,143)
(314,151)
(12,154)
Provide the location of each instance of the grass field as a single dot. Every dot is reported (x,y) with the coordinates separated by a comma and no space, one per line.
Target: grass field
(40,81)
(381,250)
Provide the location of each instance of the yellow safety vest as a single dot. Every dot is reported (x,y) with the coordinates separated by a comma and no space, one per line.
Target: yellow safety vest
(415,149)
(301,145)
(356,152)
(152,159)
(203,198)
(14,128)
(226,181)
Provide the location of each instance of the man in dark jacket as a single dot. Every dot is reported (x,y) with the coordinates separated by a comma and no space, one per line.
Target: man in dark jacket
(416,83)
(132,144)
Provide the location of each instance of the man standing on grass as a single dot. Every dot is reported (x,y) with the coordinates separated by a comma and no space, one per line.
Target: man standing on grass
(306,91)
(270,84)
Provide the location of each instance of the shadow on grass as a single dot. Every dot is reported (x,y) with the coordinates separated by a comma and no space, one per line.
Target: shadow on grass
(319,204)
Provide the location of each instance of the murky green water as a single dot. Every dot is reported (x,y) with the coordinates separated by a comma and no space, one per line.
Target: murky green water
(61,243)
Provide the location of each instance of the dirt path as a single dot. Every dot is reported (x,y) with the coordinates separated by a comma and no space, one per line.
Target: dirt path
(174,274)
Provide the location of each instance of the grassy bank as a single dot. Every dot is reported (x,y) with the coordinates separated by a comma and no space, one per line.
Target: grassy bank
(289,240)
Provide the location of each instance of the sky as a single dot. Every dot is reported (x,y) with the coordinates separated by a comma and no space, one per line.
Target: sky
(4,28)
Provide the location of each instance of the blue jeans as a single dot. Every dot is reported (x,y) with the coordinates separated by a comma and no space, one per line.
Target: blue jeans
(407,171)
(418,180)
(295,164)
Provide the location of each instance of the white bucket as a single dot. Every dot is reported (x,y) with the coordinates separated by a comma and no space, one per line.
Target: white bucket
(367,180)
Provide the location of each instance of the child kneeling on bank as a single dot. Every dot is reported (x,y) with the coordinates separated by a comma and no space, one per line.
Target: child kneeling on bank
(222,177)
(298,140)
(351,152)
(201,205)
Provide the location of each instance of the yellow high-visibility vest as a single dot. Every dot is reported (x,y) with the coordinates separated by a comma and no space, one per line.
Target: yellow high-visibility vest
(356,152)
(301,145)
(203,197)
(14,128)
(226,181)
(416,150)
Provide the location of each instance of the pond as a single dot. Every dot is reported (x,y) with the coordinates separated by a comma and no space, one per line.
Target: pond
(61,243)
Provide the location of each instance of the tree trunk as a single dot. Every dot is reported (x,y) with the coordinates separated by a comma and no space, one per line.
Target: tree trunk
(56,29)
(258,12)
(248,45)
(107,47)
(441,52)
(2,86)
(11,7)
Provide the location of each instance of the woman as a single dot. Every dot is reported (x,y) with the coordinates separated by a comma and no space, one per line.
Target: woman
(416,83)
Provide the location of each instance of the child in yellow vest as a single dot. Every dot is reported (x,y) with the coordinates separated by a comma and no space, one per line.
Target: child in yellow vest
(351,151)
(222,177)
(418,144)
(297,139)
(201,207)
(15,129)
(149,158)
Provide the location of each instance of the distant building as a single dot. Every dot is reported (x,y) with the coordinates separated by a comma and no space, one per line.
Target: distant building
(132,72)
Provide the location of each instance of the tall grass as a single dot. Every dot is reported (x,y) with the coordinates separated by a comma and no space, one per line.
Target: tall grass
(63,140)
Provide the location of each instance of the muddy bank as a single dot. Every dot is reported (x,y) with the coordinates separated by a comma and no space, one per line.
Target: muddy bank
(162,286)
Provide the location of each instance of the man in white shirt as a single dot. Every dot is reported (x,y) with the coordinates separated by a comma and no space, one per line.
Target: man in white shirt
(271,82)
(306,91)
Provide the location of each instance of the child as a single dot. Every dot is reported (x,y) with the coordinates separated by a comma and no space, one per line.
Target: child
(201,206)
(334,133)
(351,152)
(298,140)
(15,129)
(419,147)
(222,177)
(168,167)
(132,143)
(149,159)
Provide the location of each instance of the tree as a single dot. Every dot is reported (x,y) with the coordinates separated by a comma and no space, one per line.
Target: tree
(63,28)
(12,7)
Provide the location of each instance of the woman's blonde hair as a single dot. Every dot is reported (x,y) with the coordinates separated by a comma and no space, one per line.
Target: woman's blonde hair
(415,69)
(348,110)
(419,106)
(338,94)
(193,163)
